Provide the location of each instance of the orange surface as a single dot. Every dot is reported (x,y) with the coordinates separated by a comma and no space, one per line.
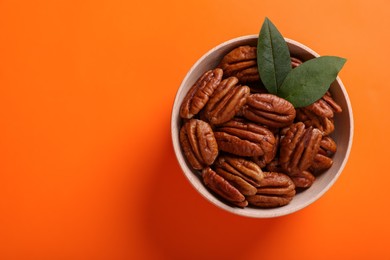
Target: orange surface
(87,169)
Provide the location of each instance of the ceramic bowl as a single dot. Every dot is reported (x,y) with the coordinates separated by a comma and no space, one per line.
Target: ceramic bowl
(343,133)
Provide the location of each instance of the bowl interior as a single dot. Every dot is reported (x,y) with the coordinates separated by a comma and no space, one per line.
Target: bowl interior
(342,135)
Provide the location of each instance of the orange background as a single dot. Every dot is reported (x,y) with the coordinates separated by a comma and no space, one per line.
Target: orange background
(87,169)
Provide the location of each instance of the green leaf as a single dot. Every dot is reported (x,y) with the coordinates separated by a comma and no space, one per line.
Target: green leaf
(273,57)
(309,82)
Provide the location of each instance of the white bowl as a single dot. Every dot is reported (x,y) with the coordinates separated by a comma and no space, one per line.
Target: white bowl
(343,133)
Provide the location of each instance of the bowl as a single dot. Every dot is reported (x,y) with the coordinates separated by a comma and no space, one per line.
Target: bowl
(343,133)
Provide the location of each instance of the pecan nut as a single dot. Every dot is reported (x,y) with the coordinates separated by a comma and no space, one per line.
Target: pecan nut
(321,163)
(200,93)
(309,118)
(198,143)
(267,158)
(241,62)
(303,179)
(276,189)
(327,146)
(298,148)
(325,106)
(226,101)
(243,174)
(320,114)
(332,103)
(322,160)
(269,110)
(243,138)
(223,188)
(321,108)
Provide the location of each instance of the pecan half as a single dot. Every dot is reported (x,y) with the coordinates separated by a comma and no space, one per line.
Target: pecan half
(241,62)
(198,143)
(321,163)
(226,101)
(325,106)
(276,189)
(321,108)
(327,146)
(243,138)
(320,114)
(200,93)
(265,159)
(243,174)
(269,109)
(298,148)
(332,103)
(303,179)
(324,124)
(223,188)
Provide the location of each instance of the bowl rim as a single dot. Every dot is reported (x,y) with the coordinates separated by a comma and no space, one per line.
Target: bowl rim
(260,213)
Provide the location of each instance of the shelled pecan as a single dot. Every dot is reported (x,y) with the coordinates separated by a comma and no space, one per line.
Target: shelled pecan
(226,101)
(321,163)
(265,159)
(320,114)
(331,102)
(243,138)
(276,189)
(243,174)
(269,109)
(298,149)
(327,146)
(241,62)
(310,119)
(200,92)
(322,160)
(303,179)
(198,143)
(325,106)
(223,188)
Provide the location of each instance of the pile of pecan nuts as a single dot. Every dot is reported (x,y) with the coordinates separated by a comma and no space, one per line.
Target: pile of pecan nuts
(251,147)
